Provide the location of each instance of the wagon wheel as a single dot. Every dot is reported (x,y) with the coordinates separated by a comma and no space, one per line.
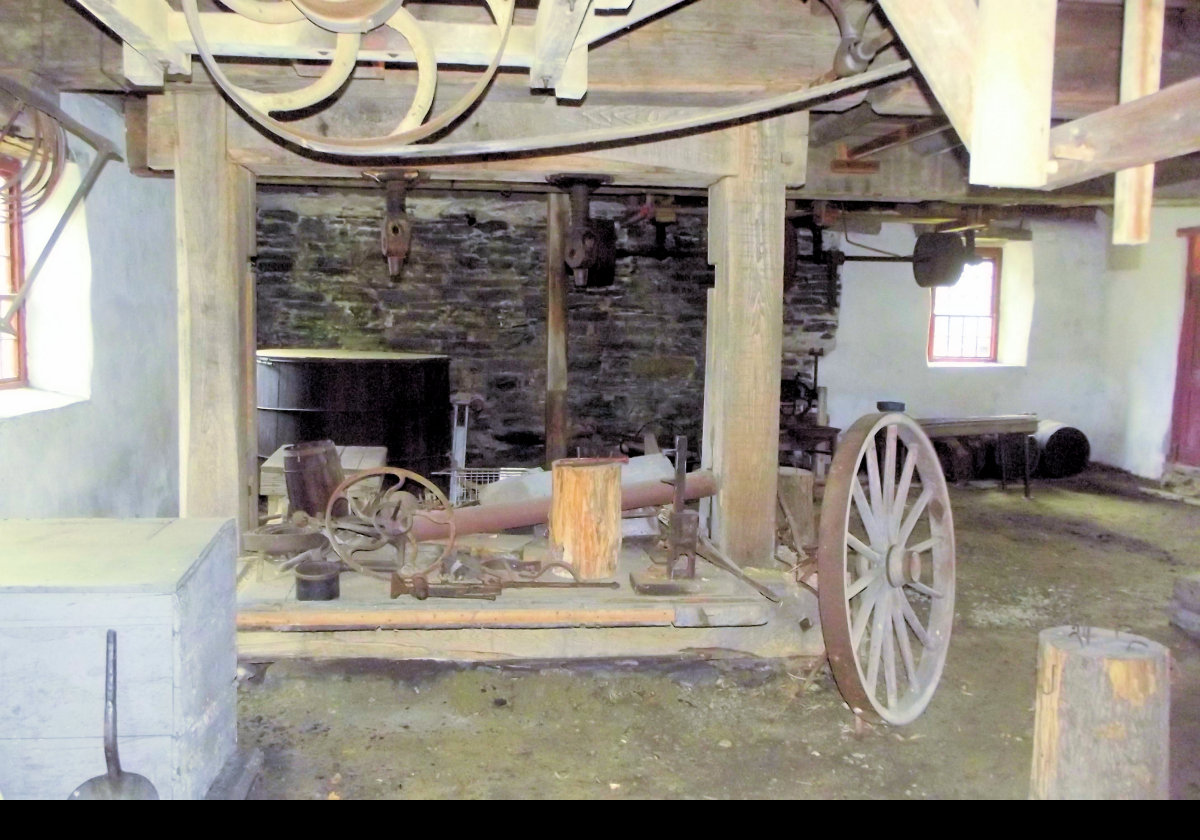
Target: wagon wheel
(386,518)
(886,568)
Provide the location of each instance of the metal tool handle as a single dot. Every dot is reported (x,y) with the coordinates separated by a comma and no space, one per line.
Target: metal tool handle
(111,758)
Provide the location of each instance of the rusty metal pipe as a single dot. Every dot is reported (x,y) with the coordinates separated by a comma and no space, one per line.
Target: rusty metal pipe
(490,518)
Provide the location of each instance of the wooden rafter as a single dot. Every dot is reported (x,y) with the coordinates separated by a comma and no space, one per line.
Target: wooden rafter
(941,36)
(142,25)
(1012,82)
(1149,129)
(1141,72)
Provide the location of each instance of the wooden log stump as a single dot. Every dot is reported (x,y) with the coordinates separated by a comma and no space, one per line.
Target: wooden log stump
(585,514)
(1101,720)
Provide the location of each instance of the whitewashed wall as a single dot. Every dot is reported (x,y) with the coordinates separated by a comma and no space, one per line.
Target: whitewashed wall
(115,451)
(1102,342)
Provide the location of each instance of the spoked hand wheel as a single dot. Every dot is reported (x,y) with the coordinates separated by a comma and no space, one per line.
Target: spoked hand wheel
(885,567)
(385,518)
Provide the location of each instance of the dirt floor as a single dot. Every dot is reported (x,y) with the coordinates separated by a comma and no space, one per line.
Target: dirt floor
(1093,550)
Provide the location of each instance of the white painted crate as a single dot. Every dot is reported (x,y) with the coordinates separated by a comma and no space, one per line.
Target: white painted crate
(167,586)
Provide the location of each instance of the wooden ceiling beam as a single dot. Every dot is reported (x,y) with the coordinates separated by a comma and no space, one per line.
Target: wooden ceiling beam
(142,25)
(1146,130)
(1012,81)
(942,37)
(1141,72)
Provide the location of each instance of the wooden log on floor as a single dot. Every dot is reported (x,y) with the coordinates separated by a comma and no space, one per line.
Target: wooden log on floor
(1102,714)
(585,515)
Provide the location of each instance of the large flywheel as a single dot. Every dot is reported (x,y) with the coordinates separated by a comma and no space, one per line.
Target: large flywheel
(886,568)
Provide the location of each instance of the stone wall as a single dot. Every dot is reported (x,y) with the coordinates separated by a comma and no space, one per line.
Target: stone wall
(473,288)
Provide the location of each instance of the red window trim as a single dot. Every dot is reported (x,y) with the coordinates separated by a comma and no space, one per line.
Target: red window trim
(994,256)
(16,252)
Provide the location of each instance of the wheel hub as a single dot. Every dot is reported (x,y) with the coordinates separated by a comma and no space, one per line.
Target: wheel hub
(902,567)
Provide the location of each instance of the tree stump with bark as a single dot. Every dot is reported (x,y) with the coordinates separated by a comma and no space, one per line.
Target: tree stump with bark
(1101,716)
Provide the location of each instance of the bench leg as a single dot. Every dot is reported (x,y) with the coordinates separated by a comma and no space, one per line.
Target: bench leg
(1028,440)
(1003,462)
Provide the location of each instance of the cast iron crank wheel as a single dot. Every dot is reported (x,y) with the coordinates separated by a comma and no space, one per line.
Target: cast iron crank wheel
(885,568)
(385,518)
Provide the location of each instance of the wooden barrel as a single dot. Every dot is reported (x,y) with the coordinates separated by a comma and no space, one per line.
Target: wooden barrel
(397,400)
(311,471)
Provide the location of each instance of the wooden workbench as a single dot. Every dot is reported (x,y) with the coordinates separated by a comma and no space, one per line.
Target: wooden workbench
(1000,425)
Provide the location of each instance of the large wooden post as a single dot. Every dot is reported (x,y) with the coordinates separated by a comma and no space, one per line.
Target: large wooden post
(214,236)
(558,220)
(744,352)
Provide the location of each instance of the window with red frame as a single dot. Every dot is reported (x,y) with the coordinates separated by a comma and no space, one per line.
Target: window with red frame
(965,318)
(12,345)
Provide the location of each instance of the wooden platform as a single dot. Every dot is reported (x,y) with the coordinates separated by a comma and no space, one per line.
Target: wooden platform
(723,613)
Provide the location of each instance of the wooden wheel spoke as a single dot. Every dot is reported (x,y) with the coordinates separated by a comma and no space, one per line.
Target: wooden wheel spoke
(877,509)
(889,651)
(865,513)
(901,499)
(921,547)
(924,589)
(863,581)
(910,616)
(906,653)
(863,549)
(914,514)
(888,479)
(881,619)
(865,607)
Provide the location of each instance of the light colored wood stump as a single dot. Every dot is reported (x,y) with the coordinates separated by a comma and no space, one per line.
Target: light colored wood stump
(585,515)
(1102,714)
(796,503)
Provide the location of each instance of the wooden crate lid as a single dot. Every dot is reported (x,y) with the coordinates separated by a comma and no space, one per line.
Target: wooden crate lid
(149,556)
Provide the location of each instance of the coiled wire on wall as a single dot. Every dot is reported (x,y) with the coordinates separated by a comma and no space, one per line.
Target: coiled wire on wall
(33,152)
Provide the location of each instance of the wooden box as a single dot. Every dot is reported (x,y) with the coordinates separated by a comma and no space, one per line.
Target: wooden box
(167,586)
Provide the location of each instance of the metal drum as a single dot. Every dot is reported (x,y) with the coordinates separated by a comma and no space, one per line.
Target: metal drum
(356,398)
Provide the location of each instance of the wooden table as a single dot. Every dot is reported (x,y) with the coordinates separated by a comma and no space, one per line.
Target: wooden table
(273,485)
(1000,425)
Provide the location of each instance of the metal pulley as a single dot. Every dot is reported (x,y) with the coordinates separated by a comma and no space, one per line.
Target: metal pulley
(590,249)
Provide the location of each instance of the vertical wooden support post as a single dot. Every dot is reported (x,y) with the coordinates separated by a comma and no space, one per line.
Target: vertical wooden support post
(1141,73)
(1102,716)
(213,233)
(744,353)
(558,220)
(1013,79)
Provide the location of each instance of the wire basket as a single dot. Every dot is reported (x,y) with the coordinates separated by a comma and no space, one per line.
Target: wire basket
(466,481)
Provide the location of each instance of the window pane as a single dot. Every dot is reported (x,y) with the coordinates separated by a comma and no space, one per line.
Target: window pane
(9,367)
(971,295)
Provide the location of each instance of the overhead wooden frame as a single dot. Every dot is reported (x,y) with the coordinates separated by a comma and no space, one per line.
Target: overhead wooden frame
(1141,72)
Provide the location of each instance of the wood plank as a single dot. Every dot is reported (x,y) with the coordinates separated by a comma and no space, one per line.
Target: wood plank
(1149,129)
(775,640)
(1141,71)
(554,31)
(942,38)
(1012,84)
(142,25)
(211,210)
(936,427)
(749,209)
